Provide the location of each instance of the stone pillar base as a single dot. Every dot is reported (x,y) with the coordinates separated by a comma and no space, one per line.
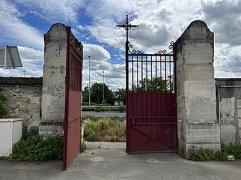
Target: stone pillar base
(48,128)
(204,135)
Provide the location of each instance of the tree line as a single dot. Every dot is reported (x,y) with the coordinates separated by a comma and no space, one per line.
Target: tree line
(156,84)
(96,94)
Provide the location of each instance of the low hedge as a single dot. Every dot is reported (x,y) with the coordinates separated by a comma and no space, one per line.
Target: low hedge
(34,147)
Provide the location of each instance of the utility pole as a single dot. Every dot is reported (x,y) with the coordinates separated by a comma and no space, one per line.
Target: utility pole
(103,86)
(89,80)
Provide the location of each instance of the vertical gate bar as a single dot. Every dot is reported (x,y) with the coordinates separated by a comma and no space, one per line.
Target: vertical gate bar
(132,71)
(170,83)
(165,73)
(137,71)
(146,105)
(146,88)
(174,73)
(160,58)
(142,72)
(156,65)
(151,68)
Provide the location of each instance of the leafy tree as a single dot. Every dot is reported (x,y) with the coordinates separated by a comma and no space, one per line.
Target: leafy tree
(120,95)
(85,94)
(155,84)
(96,94)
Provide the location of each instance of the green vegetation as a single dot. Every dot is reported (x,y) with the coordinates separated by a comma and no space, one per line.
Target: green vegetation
(3,109)
(155,84)
(120,95)
(110,130)
(92,118)
(117,118)
(83,147)
(207,154)
(34,147)
(100,109)
(96,95)
(181,152)
(122,108)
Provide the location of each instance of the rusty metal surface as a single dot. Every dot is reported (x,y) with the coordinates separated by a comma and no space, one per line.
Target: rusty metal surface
(72,121)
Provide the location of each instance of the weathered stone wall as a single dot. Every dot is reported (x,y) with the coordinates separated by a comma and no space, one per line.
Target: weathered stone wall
(229,109)
(196,98)
(23,98)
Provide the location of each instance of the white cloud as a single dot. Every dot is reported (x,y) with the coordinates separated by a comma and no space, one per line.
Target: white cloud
(159,21)
(16,32)
(99,62)
(225,19)
(96,52)
(163,21)
(53,10)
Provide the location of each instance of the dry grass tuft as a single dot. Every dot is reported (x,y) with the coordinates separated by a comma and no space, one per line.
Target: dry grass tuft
(109,130)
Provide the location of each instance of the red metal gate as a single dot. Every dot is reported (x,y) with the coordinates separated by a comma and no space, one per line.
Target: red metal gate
(72,121)
(151,101)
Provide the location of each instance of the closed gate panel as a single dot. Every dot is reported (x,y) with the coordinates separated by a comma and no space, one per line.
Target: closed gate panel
(151,102)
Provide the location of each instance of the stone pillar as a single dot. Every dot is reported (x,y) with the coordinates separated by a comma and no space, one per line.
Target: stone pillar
(53,90)
(196,93)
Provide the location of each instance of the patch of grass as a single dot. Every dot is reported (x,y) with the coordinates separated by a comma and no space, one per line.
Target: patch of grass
(34,147)
(104,130)
(92,118)
(117,118)
(5,158)
(232,149)
(181,152)
(83,147)
(201,155)
(207,154)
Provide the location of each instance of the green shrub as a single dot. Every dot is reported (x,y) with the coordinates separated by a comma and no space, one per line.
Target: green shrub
(181,152)
(104,130)
(3,109)
(99,109)
(201,155)
(34,147)
(122,108)
(83,147)
(235,149)
(207,154)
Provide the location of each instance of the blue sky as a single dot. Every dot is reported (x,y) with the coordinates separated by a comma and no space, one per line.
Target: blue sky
(24,22)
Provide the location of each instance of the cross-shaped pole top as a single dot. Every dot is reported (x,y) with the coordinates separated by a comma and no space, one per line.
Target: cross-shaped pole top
(127,26)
